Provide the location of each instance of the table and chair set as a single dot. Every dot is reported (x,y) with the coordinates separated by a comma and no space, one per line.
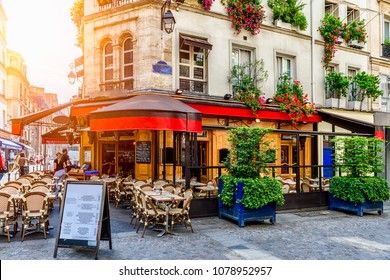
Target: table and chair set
(307,184)
(30,197)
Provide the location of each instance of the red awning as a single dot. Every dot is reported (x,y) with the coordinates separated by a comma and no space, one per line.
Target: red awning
(58,136)
(149,112)
(19,123)
(84,109)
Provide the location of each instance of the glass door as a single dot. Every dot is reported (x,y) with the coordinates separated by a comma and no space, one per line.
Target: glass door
(108,158)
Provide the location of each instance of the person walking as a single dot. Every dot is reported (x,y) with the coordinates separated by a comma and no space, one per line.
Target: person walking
(22,162)
(60,168)
(2,166)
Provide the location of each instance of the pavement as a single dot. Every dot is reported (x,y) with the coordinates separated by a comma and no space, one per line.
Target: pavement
(318,234)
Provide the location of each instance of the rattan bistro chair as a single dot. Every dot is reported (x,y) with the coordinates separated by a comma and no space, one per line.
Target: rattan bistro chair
(182,215)
(34,213)
(8,215)
(150,213)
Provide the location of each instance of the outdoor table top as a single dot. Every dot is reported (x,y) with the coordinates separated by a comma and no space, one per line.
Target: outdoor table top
(206,188)
(198,184)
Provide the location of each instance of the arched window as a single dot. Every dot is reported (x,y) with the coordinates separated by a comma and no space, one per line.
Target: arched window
(127,63)
(108,64)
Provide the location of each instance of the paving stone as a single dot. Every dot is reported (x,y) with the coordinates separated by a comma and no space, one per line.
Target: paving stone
(303,235)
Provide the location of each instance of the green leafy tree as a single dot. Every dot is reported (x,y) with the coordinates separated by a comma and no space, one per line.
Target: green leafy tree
(76,15)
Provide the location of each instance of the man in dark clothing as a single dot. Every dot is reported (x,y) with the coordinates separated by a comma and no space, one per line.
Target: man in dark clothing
(61,169)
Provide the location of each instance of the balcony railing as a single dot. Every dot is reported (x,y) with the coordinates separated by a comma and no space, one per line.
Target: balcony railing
(114,4)
(385,51)
(194,86)
(116,85)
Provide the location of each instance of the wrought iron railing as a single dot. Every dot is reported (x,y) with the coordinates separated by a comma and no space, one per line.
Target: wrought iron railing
(193,86)
(115,85)
(114,4)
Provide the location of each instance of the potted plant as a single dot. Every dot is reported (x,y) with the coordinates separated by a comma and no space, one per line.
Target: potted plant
(291,98)
(246,193)
(358,190)
(363,85)
(288,11)
(246,80)
(245,14)
(331,30)
(356,34)
(336,87)
(386,48)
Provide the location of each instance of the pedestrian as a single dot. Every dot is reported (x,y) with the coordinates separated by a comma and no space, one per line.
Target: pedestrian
(3,168)
(22,162)
(60,168)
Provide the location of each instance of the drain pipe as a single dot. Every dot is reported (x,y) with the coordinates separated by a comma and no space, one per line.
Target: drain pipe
(312,52)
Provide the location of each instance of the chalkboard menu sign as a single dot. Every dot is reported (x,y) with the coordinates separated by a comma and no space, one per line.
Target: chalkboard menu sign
(84,216)
(143,152)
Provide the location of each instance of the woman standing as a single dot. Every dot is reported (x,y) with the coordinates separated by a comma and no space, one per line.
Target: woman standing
(58,171)
(2,166)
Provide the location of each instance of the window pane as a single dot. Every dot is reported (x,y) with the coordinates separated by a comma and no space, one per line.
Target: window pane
(184,71)
(108,74)
(108,49)
(198,87)
(128,45)
(288,67)
(184,58)
(128,71)
(108,61)
(128,57)
(245,57)
(198,59)
(198,73)
(235,60)
(387,30)
(128,84)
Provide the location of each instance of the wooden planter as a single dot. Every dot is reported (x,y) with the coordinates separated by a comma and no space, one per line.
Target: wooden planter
(335,203)
(239,213)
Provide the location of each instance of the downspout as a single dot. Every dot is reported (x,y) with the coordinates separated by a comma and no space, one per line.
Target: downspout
(312,52)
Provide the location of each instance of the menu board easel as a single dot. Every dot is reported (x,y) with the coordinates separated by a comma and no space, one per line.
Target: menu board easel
(84,216)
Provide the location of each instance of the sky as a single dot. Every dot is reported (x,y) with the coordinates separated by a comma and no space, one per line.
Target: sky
(43,33)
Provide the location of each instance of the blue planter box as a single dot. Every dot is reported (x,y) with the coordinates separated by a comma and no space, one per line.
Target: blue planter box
(239,213)
(335,203)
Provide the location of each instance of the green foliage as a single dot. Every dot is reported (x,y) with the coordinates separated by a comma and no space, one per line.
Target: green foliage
(336,85)
(358,156)
(291,98)
(248,157)
(359,190)
(387,42)
(247,79)
(289,11)
(355,31)
(76,14)
(365,85)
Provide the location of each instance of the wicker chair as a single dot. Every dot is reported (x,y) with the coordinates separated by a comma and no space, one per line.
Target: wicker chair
(8,215)
(146,187)
(169,188)
(14,183)
(34,213)
(150,213)
(10,189)
(182,215)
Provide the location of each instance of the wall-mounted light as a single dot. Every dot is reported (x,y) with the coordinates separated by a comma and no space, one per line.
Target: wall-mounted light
(227,96)
(167,19)
(179,91)
(257,120)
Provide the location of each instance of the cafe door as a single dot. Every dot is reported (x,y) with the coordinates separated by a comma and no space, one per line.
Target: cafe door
(288,155)
(203,160)
(117,158)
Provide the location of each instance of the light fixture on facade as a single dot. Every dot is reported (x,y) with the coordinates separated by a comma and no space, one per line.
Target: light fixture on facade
(227,96)
(257,120)
(167,19)
(179,91)
(72,77)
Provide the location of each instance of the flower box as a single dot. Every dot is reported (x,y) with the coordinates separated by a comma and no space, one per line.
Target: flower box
(239,213)
(335,103)
(360,208)
(285,25)
(355,44)
(357,106)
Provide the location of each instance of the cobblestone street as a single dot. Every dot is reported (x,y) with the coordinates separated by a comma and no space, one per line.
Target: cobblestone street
(312,235)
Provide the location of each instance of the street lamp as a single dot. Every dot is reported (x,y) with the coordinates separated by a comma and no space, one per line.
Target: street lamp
(74,75)
(167,19)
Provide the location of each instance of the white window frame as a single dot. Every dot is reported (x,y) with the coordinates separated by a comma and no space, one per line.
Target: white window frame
(352,15)
(285,61)
(386,35)
(192,66)
(130,63)
(332,8)
(241,49)
(110,67)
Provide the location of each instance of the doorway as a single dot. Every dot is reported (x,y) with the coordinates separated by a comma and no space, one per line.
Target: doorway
(117,158)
